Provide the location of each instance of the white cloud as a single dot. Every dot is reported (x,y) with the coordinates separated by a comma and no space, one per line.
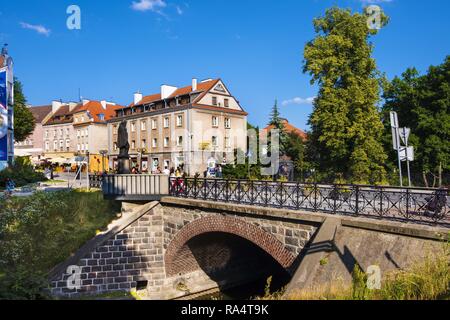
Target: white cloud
(298,100)
(146,5)
(38,28)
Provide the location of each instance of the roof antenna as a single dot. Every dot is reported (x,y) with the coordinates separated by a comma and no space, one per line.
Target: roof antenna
(79,95)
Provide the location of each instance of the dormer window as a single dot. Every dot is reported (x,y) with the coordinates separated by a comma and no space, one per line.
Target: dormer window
(101,117)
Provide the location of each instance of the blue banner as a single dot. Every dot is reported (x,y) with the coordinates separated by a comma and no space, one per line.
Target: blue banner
(3,117)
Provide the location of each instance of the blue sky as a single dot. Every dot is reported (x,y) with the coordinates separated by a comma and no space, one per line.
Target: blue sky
(254,46)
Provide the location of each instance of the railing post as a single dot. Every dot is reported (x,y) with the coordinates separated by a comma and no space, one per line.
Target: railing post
(297,203)
(357,200)
(407,203)
(215,190)
(195,188)
(252,200)
(266,187)
(239,191)
(336,194)
(205,182)
(315,196)
(381,201)
(227,191)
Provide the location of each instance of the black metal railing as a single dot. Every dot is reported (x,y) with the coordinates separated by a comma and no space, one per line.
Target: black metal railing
(403,204)
(95,181)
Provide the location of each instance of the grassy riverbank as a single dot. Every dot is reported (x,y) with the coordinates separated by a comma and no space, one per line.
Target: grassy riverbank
(38,232)
(427,279)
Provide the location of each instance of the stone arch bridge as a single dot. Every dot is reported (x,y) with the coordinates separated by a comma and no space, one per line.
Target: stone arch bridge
(177,247)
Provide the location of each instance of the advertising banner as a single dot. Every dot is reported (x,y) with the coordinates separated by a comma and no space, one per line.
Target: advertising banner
(3,117)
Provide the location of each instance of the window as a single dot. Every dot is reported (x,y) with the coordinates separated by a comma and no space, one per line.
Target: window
(154,124)
(86,132)
(226,103)
(101,117)
(46,134)
(215,121)
(155,143)
(180,141)
(82,147)
(143,125)
(87,147)
(47,146)
(144,144)
(166,122)
(133,144)
(67,132)
(61,132)
(166,142)
(227,123)
(227,142)
(115,146)
(133,127)
(214,101)
(67,144)
(179,120)
(55,133)
(78,133)
(214,141)
(78,147)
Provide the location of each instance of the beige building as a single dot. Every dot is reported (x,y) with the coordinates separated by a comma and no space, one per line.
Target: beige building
(187,127)
(77,129)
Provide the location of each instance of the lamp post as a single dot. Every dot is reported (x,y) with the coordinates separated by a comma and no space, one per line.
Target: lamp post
(103,153)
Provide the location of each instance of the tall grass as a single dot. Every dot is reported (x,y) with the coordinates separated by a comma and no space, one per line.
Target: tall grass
(38,232)
(427,279)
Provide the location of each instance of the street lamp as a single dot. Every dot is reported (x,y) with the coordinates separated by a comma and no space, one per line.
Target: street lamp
(103,153)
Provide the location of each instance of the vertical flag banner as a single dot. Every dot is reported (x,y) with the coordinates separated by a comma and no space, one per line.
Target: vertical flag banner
(3,117)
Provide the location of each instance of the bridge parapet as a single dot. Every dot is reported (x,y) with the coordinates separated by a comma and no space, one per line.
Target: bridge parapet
(417,205)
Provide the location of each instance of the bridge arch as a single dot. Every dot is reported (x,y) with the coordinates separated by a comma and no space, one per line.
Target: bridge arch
(225,225)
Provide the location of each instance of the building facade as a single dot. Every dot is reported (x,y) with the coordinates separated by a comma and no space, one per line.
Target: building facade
(189,127)
(33,146)
(75,130)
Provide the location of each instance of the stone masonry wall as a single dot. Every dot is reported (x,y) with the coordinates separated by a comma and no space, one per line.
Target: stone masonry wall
(135,255)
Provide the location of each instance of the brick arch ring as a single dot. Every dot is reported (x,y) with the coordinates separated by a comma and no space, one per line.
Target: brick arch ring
(261,238)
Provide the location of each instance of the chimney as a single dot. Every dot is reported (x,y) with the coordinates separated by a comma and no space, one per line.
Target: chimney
(72,105)
(56,105)
(103,103)
(194,84)
(137,97)
(167,91)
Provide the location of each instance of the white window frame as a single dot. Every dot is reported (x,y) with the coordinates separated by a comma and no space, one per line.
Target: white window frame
(154,143)
(180,141)
(179,120)
(166,122)
(166,142)
(227,123)
(214,138)
(215,121)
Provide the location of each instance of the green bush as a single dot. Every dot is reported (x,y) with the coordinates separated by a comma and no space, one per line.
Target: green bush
(22,173)
(39,232)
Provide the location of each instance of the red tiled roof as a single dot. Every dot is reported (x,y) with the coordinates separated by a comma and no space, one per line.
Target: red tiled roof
(201,87)
(95,108)
(2,60)
(40,112)
(289,128)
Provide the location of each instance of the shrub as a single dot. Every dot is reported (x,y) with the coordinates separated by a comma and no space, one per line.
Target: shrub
(39,232)
(22,173)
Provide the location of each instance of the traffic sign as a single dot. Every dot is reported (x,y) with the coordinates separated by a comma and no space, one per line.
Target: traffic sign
(404,134)
(407,154)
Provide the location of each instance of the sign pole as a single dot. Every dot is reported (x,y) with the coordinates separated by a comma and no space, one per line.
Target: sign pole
(397,136)
(407,156)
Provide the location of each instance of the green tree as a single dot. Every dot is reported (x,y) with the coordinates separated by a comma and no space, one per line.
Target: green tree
(346,125)
(295,149)
(277,122)
(24,122)
(422,104)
